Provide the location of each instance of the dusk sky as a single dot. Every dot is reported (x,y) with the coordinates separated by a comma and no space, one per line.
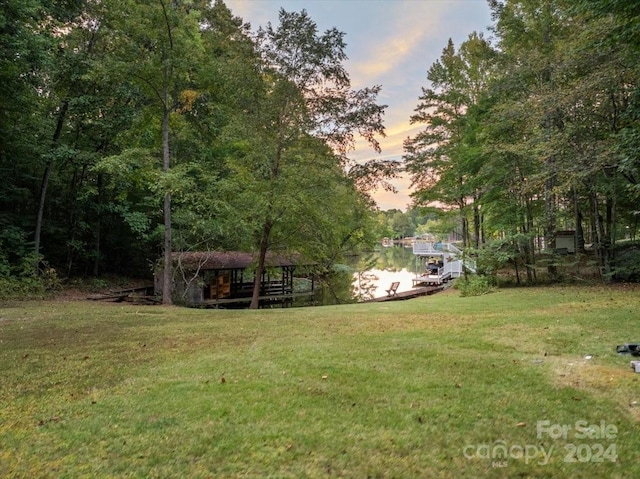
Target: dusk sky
(391,43)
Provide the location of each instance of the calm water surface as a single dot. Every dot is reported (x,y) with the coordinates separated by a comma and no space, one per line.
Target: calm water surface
(374,273)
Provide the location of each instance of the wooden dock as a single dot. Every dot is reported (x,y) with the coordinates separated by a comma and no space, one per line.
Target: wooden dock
(264,300)
(414,293)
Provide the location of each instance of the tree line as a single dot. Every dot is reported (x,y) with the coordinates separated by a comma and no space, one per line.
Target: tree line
(535,130)
(134,128)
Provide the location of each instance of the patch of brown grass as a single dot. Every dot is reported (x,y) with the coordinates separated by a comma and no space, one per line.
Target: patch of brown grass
(590,376)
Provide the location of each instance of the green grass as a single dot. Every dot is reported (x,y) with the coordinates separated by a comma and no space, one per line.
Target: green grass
(421,388)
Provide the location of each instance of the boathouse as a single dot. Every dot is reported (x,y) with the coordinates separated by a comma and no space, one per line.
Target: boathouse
(443,262)
(226,279)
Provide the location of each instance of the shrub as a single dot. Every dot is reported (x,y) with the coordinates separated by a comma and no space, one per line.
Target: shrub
(475,285)
(23,282)
(627,265)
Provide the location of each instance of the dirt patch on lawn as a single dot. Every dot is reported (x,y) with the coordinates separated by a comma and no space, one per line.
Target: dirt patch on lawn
(618,382)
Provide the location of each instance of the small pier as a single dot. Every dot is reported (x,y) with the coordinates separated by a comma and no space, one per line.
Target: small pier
(413,293)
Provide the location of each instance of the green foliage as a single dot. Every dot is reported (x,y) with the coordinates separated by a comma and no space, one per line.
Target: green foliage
(444,158)
(22,274)
(627,264)
(397,224)
(474,285)
(30,286)
(438,229)
(536,132)
(536,129)
(498,254)
(287,172)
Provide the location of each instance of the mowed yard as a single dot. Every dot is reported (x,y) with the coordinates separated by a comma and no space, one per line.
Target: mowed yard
(517,383)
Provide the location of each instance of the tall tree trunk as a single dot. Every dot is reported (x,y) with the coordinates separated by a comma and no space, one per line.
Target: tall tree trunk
(522,245)
(62,113)
(610,239)
(476,224)
(166,273)
(516,260)
(464,222)
(268,225)
(97,229)
(73,211)
(579,233)
(593,227)
(264,247)
(550,161)
(599,241)
(550,214)
(531,256)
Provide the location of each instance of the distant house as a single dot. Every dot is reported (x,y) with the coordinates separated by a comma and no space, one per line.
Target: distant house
(226,279)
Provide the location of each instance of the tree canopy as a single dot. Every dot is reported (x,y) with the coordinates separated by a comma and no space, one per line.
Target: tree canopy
(135,128)
(536,132)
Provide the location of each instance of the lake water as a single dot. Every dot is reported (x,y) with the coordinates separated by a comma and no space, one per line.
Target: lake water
(368,276)
(375,272)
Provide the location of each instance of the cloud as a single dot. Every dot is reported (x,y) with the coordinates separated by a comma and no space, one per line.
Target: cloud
(399,33)
(385,56)
(387,200)
(398,57)
(391,43)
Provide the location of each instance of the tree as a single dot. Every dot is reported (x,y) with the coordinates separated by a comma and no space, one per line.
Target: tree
(229,89)
(529,34)
(31,114)
(602,125)
(571,86)
(159,52)
(443,159)
(307,93)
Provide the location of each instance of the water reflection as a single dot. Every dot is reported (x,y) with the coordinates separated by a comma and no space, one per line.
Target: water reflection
(368,276)
(374,273)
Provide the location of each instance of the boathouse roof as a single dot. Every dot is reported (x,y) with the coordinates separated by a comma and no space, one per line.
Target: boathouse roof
(212,260)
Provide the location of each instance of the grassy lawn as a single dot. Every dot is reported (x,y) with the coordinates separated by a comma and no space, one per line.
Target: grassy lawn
(441,386)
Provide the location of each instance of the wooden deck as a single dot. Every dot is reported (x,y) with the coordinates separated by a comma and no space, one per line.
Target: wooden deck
(426,279)
(272,298)
(414,293)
